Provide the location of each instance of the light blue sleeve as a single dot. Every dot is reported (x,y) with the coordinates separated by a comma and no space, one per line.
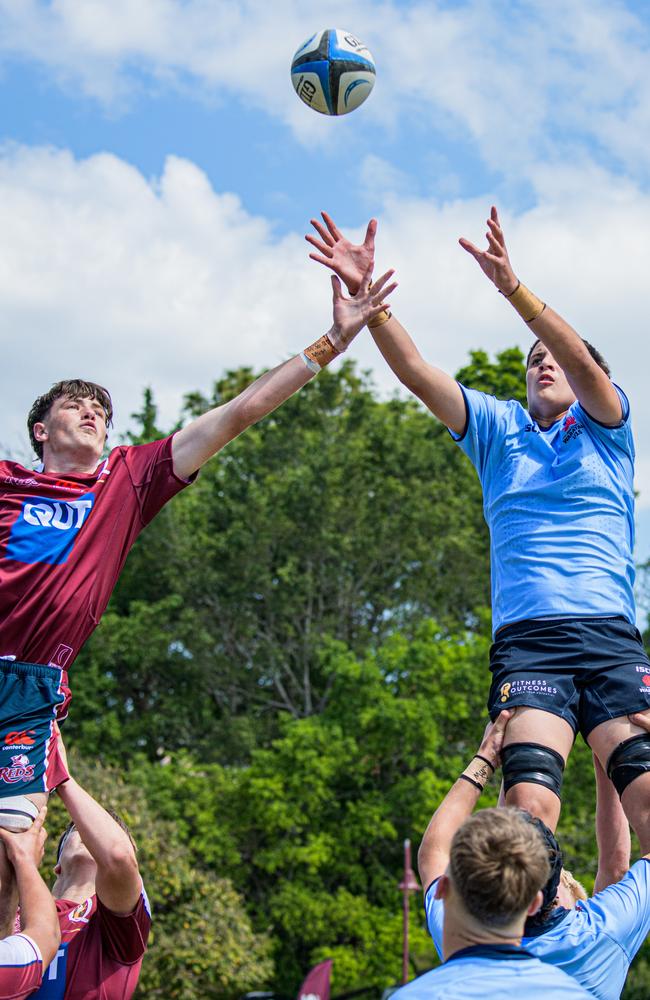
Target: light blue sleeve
(481,428)
(623,909)
(614,438)
(435,915)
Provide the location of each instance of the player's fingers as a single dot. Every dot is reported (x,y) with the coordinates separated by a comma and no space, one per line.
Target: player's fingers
(331,225)
(385,292)
(37,825)
(336,288)
(320,260)
(321,247)
(322,232)
(466,245)
(495,245)
(377,286)
(369,240)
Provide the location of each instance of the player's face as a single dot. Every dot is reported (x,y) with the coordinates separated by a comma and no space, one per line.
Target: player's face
(549,393)
(75,425)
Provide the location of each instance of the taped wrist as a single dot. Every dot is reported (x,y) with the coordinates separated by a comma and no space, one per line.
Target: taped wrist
(320,353)
(526,303)
(532,763)
(630,759)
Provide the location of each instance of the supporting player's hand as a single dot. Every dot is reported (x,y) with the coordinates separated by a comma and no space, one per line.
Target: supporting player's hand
(641,719)
(492,741)
(26,847)
(350,262)
(494,262)
(351,314)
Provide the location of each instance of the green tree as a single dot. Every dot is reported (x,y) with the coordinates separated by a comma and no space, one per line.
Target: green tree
(505,377)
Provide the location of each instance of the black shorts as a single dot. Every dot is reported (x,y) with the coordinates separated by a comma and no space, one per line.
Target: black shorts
(586,670)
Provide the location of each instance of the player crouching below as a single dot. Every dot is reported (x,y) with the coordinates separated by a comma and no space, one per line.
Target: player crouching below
(101,904)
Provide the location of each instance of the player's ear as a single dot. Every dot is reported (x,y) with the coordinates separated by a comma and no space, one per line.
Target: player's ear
(442,888)
(536,904)
(40,431)
(57,868)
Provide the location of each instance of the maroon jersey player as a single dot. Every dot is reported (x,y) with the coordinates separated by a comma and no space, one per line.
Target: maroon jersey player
(66,530)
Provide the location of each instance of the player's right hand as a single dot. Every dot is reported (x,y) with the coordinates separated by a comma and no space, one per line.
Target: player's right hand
(28,846)
(346,259)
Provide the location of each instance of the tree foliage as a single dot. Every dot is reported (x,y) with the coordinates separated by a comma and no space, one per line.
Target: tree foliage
(290,675)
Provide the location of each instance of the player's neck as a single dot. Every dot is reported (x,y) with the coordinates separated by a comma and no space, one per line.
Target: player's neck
(546,420)
(76,889)
(458,933)
(69,464)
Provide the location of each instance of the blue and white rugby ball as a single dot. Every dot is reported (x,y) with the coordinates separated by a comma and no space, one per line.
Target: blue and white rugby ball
(333,72)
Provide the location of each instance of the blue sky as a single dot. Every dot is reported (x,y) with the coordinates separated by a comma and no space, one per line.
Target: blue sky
(157,174)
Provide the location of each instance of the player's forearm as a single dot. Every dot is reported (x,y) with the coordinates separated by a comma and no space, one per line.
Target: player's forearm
(612,832)
(38,916)
(107,842)
(204,437)
(435,388)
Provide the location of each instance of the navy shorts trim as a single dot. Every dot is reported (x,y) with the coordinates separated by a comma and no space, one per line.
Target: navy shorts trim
(30,696)
(585,670)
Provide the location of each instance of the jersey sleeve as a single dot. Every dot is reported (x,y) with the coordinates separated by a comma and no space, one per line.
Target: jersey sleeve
(623,909)
(21,967)
(152,474)
(615,438)
(479,436)
(435,914)
(125,937)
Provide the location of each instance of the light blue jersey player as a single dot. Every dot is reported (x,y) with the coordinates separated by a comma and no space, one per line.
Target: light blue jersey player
(558,499)
(592,940)
(497,866)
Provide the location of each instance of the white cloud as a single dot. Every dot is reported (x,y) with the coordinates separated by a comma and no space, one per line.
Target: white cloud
(127,281)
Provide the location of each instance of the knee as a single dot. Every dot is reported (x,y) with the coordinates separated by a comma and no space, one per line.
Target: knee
(532,764)
(630,759)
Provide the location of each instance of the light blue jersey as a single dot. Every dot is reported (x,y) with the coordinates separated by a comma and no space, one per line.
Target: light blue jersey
(497,972)
(559,504)
(596,942)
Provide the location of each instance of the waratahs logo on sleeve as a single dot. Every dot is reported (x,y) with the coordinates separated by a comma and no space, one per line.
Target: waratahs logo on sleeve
(46,529)
(570,428)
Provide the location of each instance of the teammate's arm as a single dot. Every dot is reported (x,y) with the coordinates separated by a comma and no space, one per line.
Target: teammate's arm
(38,916)
(612,832)
(437,390)
(589,382)
(118,883)
(205,436)
(459,803)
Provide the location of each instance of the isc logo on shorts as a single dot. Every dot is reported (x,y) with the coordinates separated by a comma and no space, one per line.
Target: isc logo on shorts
(45,529)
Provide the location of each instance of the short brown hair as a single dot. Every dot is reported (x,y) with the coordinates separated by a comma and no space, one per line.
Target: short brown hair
(498,862)
(74,388)
(595,353)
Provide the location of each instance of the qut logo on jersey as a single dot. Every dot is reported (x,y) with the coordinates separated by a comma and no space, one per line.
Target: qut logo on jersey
(45,530)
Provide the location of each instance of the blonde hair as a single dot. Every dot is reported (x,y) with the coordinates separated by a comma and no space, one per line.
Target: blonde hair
(570,882)
(498,863)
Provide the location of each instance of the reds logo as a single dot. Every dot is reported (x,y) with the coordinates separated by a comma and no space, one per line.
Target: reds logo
(19,770)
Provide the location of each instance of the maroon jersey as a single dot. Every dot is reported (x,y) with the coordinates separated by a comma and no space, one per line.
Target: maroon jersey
(63,542)
(20,967)
(100,954)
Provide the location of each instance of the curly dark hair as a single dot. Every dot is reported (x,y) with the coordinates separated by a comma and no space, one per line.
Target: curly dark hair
(595,353)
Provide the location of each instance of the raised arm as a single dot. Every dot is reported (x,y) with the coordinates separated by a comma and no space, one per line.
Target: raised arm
(612,832)
(459,803)
(437,390)
(204,437)
(588,381)
(118,882)
(38,916)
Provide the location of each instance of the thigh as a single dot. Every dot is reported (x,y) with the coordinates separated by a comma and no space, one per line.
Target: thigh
(532,725)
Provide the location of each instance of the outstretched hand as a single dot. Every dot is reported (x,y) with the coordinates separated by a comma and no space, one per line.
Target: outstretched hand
(351,314)
(492,742)
(494,262)
(29,845)
(346,259)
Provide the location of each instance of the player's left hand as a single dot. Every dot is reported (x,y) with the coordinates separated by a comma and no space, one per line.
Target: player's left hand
(351,314)
(494,262)
(346,259)
(492,741)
